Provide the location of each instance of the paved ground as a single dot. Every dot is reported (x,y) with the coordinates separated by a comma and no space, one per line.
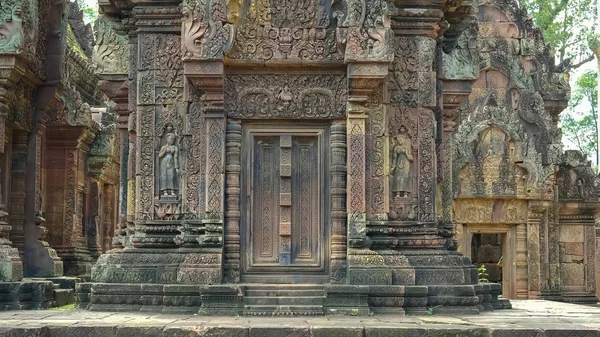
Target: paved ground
(527,318)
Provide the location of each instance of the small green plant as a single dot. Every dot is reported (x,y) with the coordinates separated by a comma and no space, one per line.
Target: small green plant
(371,313)
(483,275)
(430,311)
(354,312)
(65,307)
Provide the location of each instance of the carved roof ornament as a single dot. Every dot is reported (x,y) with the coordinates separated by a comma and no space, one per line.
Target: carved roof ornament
(111,50)
(364,30)
(576,179)
(205,33)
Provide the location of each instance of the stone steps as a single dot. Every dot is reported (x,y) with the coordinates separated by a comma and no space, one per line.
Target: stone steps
(284,300)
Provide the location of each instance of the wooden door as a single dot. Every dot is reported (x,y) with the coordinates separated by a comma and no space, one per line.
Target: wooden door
(284,223)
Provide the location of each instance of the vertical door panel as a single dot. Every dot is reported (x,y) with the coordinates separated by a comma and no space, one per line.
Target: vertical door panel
(265,202)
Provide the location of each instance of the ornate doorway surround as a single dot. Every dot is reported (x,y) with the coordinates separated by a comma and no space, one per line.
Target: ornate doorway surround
(285,221)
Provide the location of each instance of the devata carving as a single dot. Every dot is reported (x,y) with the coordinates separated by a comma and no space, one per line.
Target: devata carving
(402,159)
(285,96)
(169,164)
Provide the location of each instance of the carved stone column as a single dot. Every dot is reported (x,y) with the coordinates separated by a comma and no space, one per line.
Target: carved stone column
(338,202)
(233,189)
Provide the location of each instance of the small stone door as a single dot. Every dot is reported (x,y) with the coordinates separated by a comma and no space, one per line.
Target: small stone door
(284,232)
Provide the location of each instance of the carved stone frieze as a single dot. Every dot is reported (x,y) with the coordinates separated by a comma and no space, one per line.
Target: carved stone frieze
(285,96)
(285,31)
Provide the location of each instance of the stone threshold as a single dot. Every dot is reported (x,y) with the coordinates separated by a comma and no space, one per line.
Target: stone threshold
(528,318)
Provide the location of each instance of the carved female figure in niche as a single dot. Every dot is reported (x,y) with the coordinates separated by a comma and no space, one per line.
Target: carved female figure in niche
(401,163)
(169,164)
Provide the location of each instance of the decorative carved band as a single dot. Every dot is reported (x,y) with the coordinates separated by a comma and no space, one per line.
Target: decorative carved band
(289,96)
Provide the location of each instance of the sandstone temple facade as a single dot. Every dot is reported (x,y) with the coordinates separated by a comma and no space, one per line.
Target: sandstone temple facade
(309,157)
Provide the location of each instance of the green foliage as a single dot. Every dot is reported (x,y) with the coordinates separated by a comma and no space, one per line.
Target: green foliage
(483,275)
(90,10)
(568,27)
(580,124)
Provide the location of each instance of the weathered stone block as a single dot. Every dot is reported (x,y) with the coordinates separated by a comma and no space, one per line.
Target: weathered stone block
(573,274)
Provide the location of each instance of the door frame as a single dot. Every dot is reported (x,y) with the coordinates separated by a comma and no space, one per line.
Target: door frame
(285,274)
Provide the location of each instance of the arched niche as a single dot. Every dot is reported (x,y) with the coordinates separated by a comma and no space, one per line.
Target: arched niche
(490,168)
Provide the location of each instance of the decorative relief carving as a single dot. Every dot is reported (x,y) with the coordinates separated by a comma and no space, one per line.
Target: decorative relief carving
(400,167)
(490,211)
(576,178)
(11,31)
(376,160)
(146,152)
(285,30)
(169,164)
(463,61)
(427,166)
(204,34)
(214,181)
(364,31)
(514,132)
(196,162)
(289,96)
(111,50)
(356,152)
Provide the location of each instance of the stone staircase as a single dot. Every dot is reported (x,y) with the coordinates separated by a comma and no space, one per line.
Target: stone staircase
(284,300)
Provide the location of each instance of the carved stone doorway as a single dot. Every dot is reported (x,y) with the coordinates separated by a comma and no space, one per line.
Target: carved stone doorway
(285,203)
(514,273)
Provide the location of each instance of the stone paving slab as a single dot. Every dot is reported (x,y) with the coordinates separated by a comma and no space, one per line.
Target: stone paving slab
(527,318)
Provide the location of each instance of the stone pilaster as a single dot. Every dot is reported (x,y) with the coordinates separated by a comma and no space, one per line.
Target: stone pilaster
(537,219)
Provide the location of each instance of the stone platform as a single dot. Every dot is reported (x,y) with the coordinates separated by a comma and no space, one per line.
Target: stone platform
(527,318)
(291,299)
